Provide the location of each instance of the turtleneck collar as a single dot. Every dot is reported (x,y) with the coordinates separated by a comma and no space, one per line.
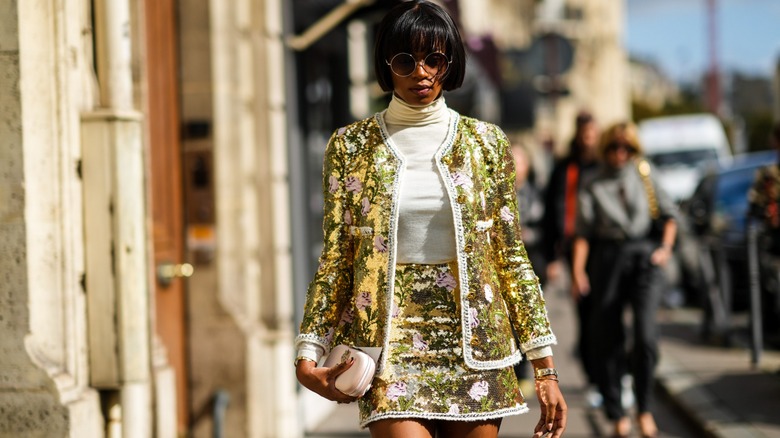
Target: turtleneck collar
(401,113)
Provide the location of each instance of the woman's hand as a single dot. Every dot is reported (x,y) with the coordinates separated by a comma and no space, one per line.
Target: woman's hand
(554,270)
(552,418)
(661,255)
(322,380)
(580,284)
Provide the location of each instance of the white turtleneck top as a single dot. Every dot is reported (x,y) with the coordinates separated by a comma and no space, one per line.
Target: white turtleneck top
(426,230)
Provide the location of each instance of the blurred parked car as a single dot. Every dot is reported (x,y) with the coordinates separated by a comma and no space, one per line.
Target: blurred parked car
(683,148)
(717,214)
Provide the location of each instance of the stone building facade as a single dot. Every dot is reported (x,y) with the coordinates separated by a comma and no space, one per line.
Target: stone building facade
(146,140)
(84,307)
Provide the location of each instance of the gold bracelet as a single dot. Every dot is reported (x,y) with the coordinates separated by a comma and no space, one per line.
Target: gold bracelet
(546,378)
(542,372)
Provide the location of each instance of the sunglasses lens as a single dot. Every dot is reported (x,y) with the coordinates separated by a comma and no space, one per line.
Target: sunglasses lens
(614,147)
(435,63)
(403,64)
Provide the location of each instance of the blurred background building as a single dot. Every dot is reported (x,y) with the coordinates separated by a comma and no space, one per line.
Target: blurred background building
(160,197)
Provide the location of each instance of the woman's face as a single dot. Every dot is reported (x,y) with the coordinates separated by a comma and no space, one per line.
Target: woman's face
(420,87)
(589,136)
(617,155)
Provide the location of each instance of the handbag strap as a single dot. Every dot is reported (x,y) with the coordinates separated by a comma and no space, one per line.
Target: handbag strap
(643,167)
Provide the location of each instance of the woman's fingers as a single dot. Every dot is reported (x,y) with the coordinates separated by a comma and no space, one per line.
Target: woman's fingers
(323,380)
(341,367)
(333,374)
(552,418)
(541,430)
(560,421)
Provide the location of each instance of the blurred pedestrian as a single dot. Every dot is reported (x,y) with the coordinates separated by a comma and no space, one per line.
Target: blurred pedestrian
(764,205)
(624,233)
(423,256)
(530,205)
(764,196)
(560,212)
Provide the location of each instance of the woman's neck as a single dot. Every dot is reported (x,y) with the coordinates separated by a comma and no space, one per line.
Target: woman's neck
(401,113)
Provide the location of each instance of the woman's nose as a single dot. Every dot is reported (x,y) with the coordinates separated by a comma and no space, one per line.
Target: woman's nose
(419,69)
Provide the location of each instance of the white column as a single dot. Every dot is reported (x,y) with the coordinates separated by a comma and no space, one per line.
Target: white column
(252,195)
(115,225)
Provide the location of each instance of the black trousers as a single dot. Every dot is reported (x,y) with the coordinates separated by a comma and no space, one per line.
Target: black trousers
(621,275)
(584,326)
(583,306)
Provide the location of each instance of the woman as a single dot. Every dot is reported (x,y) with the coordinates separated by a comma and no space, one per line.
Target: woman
(568,176)
(422,254)
(617,258)
(764,196)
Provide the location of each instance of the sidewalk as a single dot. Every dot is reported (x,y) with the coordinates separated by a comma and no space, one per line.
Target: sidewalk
(713,388)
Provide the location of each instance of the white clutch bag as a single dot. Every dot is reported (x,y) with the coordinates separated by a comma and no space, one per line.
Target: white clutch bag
(357,379)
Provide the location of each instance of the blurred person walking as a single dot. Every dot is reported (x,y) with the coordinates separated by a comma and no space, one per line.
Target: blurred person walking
(530,205)
(569,174)
(624,234)
(764,205)
(423,257)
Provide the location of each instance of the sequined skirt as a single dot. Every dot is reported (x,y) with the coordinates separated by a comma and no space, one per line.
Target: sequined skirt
(425,375)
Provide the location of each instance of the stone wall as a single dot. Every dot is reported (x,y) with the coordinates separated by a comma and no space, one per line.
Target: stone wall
(43,380)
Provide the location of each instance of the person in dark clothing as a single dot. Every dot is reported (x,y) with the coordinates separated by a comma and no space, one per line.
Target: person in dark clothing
(530,203)
(764,197)
(530,206)
(764,207)
(560,209)
(617,260)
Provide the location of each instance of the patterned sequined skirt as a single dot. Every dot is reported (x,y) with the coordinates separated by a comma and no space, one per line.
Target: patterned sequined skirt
(425,375)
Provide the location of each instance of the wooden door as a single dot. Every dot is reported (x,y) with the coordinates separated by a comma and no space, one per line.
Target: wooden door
(165,188)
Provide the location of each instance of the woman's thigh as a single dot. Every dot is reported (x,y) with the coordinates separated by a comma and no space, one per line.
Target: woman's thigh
(414,428)
(402,428)
(469,429)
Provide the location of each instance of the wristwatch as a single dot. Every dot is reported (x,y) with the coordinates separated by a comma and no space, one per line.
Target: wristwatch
(543,372)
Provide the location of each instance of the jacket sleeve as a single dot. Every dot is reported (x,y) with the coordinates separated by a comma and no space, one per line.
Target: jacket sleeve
(326,314)
(520,286)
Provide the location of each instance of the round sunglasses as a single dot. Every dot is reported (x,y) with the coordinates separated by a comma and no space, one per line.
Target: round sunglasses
(404,64)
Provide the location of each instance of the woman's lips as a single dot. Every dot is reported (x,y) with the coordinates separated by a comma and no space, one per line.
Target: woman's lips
(421,91)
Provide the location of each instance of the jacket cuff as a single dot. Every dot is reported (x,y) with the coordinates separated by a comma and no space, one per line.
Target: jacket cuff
(309,350)
(538,353)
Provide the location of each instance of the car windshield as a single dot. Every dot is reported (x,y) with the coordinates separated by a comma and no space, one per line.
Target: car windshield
(684,158)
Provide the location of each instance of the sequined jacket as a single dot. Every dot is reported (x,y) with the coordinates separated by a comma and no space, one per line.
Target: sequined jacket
(350,298)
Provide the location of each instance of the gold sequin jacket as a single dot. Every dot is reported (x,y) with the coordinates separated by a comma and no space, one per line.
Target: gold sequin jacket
(350,298)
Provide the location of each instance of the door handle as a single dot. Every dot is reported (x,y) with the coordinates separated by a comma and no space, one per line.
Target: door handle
(167,271)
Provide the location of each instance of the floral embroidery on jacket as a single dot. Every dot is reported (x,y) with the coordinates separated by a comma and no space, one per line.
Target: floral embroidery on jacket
(354,185)
(380,243)
(479,390)
(506,214)
(446,280)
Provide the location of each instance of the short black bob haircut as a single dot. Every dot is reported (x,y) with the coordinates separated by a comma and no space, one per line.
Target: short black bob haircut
(419,26)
